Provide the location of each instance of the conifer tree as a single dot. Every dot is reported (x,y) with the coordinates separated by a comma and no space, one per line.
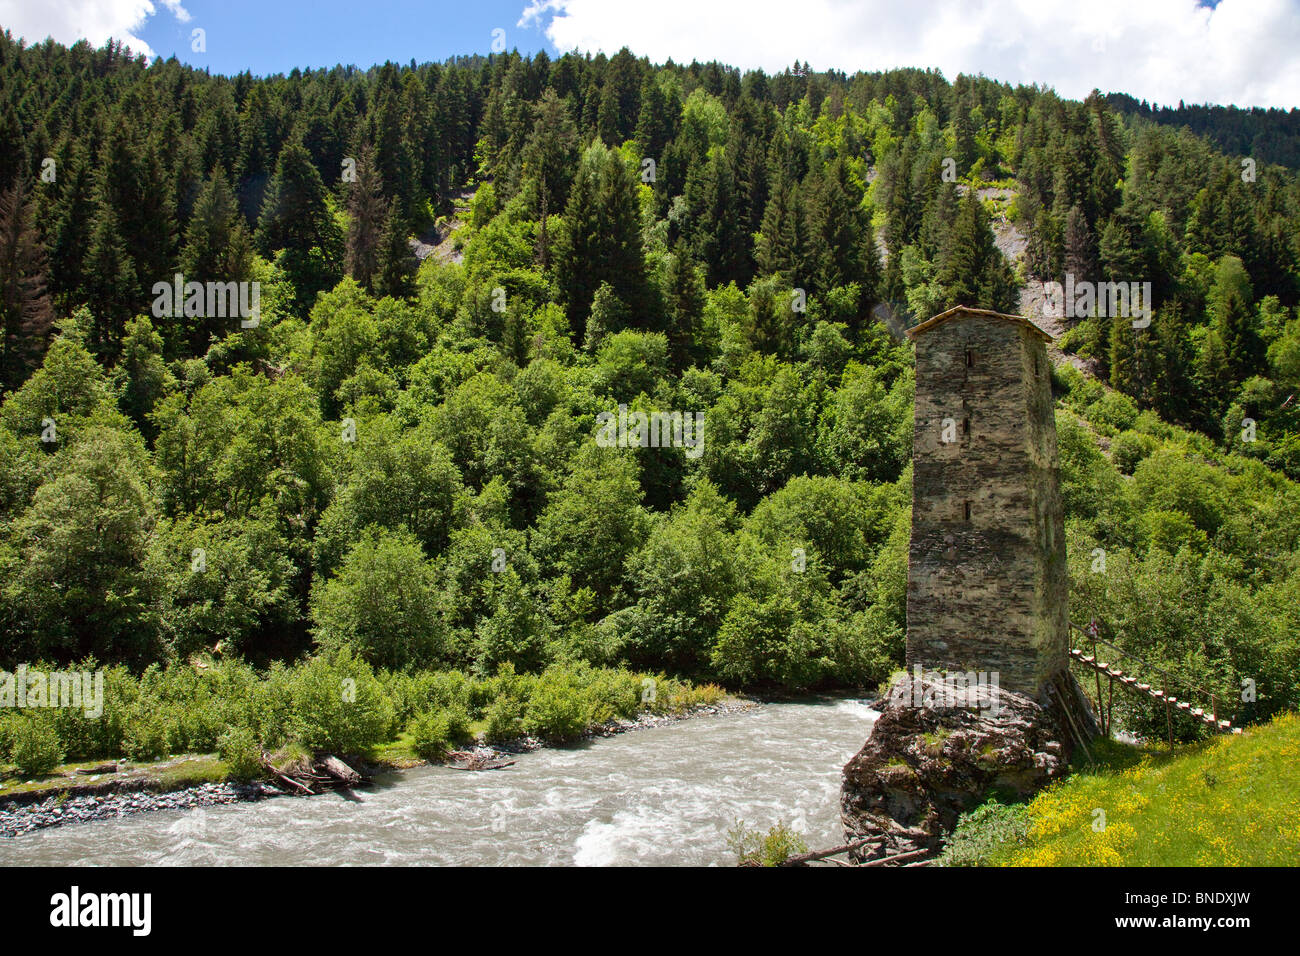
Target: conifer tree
(843,245)
(603,237)
(548,161)
(1231,306)
(395,262)
(25,310)
(112,288)
(296,219)
(684,296)
(655,125)
(368,213)
(1080,248)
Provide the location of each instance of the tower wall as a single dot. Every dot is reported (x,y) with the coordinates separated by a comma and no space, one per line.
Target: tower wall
(987,586)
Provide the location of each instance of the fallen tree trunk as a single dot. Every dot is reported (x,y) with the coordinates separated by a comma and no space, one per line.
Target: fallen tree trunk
(340,771)
(802,858)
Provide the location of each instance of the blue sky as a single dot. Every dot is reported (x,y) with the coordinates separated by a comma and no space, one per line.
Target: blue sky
(1242,52)
(326,32)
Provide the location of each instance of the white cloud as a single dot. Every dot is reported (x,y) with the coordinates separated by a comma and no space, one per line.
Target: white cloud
(68,21)
(1245,52)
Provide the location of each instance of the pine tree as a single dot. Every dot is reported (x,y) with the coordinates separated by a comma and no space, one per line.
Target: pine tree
(684,296)
(655,126)
(718,236)
(294,213)
(1230,304)
(11,134)
(71,233)
(843,243)
(1080,248)
(217,249)
(620,98)
(781,247)
(1124,374)
(296,219)
(368,213)
(603,237)
(396,260)
(970,268)
(548,161)
(25,311)
(111,284)
(217,244)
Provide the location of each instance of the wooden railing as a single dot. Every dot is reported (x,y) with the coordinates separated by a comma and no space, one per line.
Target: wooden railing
(1158,687)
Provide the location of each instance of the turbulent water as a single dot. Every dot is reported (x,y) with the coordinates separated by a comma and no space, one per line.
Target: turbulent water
(660,796)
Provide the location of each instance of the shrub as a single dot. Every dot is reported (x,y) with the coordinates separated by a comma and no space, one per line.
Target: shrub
(241,752)
(458,725)
(7,724)
(504,719)
(983,831)
(506,696)
(147,732)
(34,746)
(617,693)
(89,738)
(683,697)
(413,694)
(432,734)
(770,849)
(337,704)
(1113,411)
(558,709)
(1170,531)
(1129,448)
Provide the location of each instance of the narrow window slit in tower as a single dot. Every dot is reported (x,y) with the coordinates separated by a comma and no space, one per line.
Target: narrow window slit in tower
(970,358)
(966,509)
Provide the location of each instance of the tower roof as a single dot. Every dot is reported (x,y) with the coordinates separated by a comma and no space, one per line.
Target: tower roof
(967,310)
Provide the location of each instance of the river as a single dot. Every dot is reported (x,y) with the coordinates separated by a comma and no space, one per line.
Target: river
(663,796)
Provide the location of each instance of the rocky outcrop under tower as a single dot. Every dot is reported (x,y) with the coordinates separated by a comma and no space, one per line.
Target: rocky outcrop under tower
(926,763)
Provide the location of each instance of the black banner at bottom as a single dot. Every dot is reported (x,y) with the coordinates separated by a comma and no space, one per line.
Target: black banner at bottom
(351,907)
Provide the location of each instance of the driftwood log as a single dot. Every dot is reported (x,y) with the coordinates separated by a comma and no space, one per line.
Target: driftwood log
(468,760)
(321,773)
(340,771)
(802,858)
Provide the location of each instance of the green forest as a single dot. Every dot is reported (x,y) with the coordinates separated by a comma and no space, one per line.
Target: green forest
(391,473)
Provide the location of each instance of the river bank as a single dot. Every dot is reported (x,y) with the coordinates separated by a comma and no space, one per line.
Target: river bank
(162,787)
(668,795)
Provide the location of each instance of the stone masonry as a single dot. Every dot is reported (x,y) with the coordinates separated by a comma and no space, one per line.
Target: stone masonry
(987,587)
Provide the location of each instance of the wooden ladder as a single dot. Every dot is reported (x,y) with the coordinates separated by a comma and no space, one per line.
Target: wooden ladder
(1138,687)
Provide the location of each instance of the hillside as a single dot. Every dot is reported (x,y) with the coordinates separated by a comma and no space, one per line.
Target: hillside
(399,467)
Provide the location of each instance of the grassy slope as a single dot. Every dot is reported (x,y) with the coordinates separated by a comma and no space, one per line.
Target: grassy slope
(1231,801)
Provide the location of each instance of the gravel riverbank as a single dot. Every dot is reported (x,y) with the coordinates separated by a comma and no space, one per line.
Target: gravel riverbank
(60,809)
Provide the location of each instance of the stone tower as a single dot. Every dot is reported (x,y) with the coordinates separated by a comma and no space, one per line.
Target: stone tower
(986,579)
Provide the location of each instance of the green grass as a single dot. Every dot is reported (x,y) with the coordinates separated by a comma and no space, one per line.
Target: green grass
(399,752)
(172,773)
(1230,801)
